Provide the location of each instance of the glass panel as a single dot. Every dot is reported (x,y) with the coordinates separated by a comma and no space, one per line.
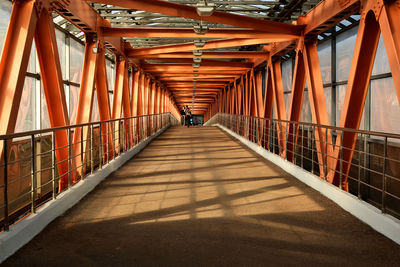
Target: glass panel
(288,99)
(5,12)
(73,103)
(345,43)
(381,64)
(385,109)
(328,101)
(77,51)
(110,98)
(306,109)
(110,75)
(95,108)
(340,94)
(61,51)
(26,112)
(32,60)
(287,75)
(324,55)
(44,115)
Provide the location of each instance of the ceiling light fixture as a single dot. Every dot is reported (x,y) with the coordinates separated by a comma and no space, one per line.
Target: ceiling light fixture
(197,53)
(197,60)
(196,65)
(199,43)
(200,29)
(205,9)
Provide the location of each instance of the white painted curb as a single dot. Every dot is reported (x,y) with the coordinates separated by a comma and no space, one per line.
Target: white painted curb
(385,224)
(25,230)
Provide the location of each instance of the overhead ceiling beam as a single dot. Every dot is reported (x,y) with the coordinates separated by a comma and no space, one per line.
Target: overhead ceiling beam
(185,11)
(326,14)
(209,45)
(208,75)
(210,54)
(172,67)
(190,71)
(201,79)
(208,62)
(149,32)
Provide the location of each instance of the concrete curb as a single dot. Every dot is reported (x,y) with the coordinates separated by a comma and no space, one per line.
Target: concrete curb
(385,224)
(25,230)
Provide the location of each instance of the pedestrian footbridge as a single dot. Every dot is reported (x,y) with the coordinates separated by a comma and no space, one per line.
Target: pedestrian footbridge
(203,196)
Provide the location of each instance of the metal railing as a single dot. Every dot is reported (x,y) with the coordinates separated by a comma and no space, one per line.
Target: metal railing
(35,168)
(372,173)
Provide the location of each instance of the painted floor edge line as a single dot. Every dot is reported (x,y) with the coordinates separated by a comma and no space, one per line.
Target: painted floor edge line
(385,224)
(24,231)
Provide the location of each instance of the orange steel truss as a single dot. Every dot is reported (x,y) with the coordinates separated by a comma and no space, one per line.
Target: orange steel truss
(163,78)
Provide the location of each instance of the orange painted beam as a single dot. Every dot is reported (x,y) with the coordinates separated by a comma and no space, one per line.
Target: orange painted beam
(137,52)
(215,33)
(210,54)
(389,25)
(49,62)
(357,88)
(14,62)
(85,102)
(317,101)
(172,67)
(186,11)
(298,85)
(206,62)
(126,107)
(326,14)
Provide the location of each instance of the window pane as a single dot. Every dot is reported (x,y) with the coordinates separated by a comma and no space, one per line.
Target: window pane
(95,109)
(5,12)
(328,101)
(345,43)
(340,95)
(288,99)
(61,51)
(385,109)
(381,64)
(287,75)
(77,51)
(110,75)
(44,115)
(73,103)
(306,109)
(324,55)
(26,112)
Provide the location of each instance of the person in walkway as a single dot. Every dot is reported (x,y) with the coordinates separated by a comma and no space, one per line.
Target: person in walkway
(183,116)
(188,116)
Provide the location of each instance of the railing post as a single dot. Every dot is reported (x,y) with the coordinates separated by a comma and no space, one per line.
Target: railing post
(101,146)
(91,149)
(326,154)
(302,146)
(384,178)
(112,139)
(53,163)
(69,157)
(341,159)
(5,156)
(312,149)
(123,135)
(359,167)
(33,174)
(82,156)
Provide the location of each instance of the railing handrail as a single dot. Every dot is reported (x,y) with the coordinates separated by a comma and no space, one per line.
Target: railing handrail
(49,130)
(365,132)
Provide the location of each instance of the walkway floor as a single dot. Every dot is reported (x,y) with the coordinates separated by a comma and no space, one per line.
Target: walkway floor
(196,197)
